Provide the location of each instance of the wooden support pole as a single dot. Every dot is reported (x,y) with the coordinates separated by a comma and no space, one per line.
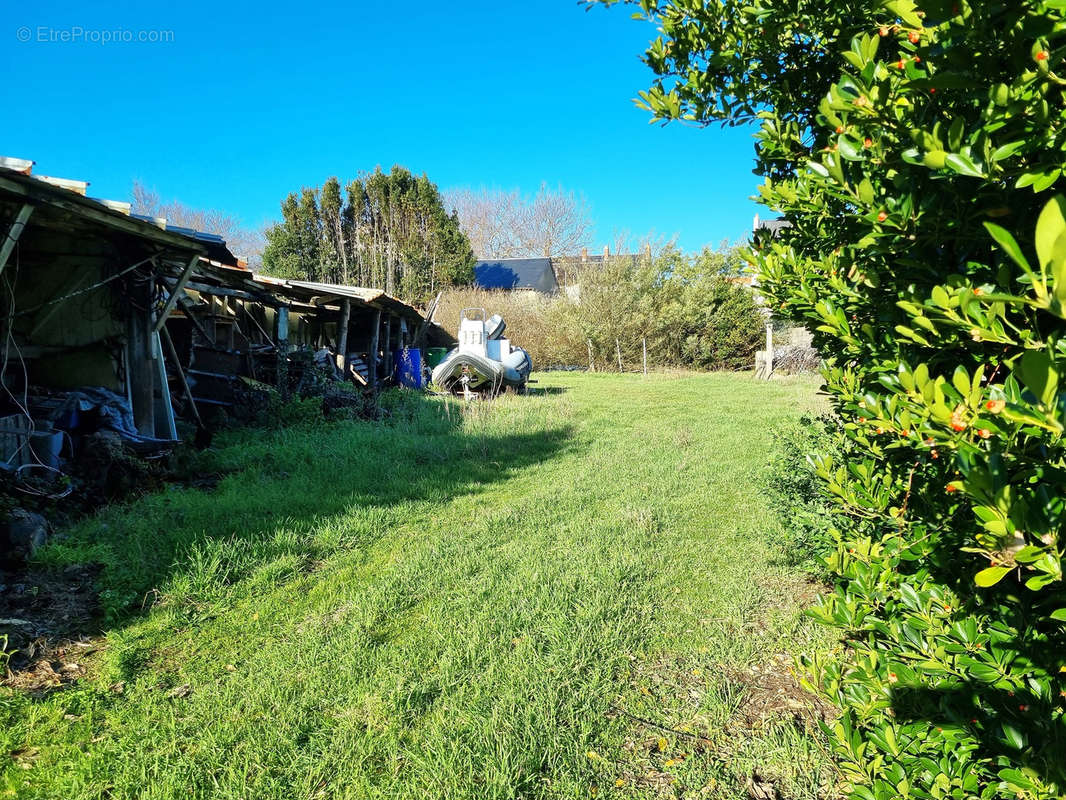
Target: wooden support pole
(592,364)
(342,335)
(372,367)
(618,352)
(283,351)
(164,390)
(139,346)
(644,348)
(172,352)
(175,293)
(388,348)
(13,234)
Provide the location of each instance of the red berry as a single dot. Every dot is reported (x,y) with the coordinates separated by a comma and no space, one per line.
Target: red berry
(867,142)
(840,128)
(899,64)
(881,217)
(984,433)
(1041,56)
(915,37)
(949,489)
(883,31)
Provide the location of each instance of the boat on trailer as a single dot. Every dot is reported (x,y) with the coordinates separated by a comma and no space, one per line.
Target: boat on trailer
(484,362)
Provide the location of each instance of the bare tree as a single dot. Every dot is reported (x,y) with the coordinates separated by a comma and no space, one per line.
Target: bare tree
(504,224)
(242,241)
(557,222)
(491,220)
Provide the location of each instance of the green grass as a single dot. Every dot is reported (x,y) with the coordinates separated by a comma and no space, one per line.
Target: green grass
(462,602)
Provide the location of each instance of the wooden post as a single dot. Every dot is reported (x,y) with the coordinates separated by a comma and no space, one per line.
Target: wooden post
(618,352)
(175,292)
(592,364)
(644,347)
(173,353)
(13,234)
(164,390)
(769,350)
(388,348)
(283,351)
(138,344)
(372,367)
(342,335)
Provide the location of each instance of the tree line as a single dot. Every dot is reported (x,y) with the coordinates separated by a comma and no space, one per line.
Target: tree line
(386,230)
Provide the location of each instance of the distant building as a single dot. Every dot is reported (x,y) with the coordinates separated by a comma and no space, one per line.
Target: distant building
(531,274)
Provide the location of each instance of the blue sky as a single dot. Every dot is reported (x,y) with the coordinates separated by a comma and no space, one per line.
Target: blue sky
(250,101)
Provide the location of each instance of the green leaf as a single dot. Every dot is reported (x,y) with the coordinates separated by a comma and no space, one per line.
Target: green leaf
(1007,150)
(866,191)
(1059,614)
(1049,227)
(990,576)
(1010,246)
(961,380)
(1038,373)
(963,165)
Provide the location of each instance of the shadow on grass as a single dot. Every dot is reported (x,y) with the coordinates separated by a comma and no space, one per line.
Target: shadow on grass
(291,495)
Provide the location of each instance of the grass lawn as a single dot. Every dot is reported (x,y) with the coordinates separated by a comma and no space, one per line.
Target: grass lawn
(563,595)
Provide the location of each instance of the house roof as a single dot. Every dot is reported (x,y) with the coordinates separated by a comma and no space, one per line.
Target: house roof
(516,273)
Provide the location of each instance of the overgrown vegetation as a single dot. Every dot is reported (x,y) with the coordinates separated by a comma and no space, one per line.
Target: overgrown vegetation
(903,140)
(811,524)
(687,308)
(532,597)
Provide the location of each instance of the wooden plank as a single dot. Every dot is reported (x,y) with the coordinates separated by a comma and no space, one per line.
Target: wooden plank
(138,346)
(164,390)
(342,334)
(173,353)
(13,234)
(372,372)
(175,293)
(388,349)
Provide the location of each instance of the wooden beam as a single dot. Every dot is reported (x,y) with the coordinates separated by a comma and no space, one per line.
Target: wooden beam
(388,348)
(138,347)
(13,234)
(219,291)
(90,209)
(342,334)
(175,293)
(372,367)
(173,353)
(283,349)
(164,390)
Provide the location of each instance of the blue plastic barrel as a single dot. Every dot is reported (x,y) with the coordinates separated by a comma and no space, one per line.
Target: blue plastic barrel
(409,367)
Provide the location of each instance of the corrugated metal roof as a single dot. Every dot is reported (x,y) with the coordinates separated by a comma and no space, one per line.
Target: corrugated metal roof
(21,169)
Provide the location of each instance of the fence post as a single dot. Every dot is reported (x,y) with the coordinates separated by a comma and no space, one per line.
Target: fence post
(618,352)
(644,348)
(592,364)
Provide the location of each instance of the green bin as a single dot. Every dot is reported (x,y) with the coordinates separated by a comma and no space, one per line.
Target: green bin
(435,355)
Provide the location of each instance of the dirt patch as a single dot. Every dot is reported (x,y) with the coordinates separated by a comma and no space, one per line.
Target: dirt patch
(48,624)
(770,691)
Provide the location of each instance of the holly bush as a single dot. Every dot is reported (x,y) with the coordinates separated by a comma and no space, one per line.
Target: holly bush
(917,148)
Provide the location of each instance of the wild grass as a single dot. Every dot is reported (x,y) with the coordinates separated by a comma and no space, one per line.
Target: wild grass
(541,597)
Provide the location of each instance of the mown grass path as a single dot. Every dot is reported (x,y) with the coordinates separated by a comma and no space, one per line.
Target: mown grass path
(461,603)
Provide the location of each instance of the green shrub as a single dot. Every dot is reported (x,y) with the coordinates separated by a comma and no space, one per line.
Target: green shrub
(684,307)
(810,522)
(902,139)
